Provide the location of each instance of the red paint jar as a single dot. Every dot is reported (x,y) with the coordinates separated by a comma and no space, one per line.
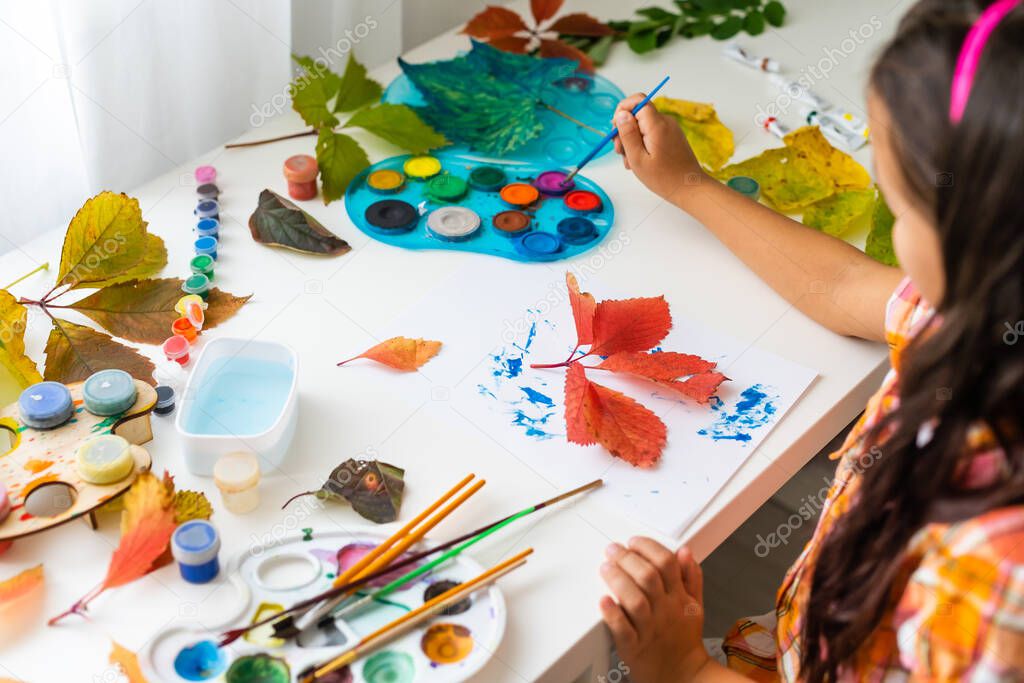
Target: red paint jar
(300,172)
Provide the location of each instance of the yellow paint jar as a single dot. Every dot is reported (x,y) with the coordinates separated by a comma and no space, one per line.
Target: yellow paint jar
(422,167)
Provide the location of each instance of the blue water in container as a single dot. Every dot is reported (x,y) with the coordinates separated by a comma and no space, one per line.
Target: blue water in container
(240,396)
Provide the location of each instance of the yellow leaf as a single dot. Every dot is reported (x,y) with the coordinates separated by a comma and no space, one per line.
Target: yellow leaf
(711,140)
(836,165)
(401,353)
(153,261)
(128,662)
(836,214)
(13,318)
(189,505)
(106,237)
(20,585)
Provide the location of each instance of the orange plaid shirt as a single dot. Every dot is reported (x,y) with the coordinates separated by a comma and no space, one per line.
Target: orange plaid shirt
(960,613)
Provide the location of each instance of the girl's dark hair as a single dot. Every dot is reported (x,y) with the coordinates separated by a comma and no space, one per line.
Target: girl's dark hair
(964,367)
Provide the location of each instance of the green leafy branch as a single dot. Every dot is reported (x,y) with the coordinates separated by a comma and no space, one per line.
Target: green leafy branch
(319,95)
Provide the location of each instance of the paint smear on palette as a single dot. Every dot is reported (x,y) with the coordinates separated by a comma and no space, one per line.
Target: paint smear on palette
(755,408)
(523,397)
(348,555)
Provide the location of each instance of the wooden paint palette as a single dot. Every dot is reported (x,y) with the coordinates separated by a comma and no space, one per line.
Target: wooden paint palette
(268,578)
(448,201)
(40,464)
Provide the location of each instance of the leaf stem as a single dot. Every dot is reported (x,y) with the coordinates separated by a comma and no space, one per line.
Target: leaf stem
(45,266)
(305,133)
(297,495)
(545,366)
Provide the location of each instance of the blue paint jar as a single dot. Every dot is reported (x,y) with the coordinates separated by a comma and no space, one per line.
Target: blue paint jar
(207,245)
(208,208)
(208,227)
(45,405)
(539,246)
(195,545)
(109,392)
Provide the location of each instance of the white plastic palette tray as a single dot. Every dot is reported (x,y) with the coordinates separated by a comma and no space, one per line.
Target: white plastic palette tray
(295,569)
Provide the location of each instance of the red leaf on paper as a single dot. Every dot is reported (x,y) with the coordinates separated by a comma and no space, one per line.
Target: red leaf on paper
(699,387)
(583,306)
(495,22)
(544,9)
(401,353)
(629,325)
(581,24)
(556,48)
(664,365)
(515,44)
(577,386)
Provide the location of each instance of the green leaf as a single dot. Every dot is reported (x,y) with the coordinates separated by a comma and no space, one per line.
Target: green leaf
(726,29)
(340,159)
(73,352)
(775,13)
(106,237)
(312,91)
(753,23)
(835,215)
(599,50)
(356,90)
(278,222)
(656,13)
(642,42)
(399,125)
(879,243)
(13,319)
(697,28)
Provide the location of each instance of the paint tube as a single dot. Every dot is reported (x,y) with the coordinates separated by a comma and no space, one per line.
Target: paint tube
(773,126)
(741,55)
(838,136)
(845,120)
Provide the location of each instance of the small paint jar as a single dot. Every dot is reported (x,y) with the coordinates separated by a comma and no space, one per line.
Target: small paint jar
(207,245)
(193,307)
(205,174)
(208,208)
(104,459)
(208,191)
(576,230)
(447,188)
(453,223)
(582,201)
(487,178)
(300,172)
(208,227)
(183,326)
(748,187)
(538,246)
(519,195)
(197,284)
(202,265)
(109,392)
(237,475)
(195,545)
(164,400)
(392,216)
(511,223)
(176,349)
(385,181)
(45,405)
(553,183)
(422,167)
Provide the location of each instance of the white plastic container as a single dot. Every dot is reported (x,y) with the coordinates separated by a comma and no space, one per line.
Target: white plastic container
(202,447)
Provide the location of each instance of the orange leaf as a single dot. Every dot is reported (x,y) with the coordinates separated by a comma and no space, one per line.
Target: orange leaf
(495,22)
(128,662)
(576,388)
(544,9)
(146,527)
(20,585)
(581,24)
(556,48)
(583,306)
(627,429)
(401,353)
(664,365)
(699,387)
(515,44)
(630,325)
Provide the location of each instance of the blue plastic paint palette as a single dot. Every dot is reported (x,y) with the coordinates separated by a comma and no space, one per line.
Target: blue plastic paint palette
(516,211)
(267,578)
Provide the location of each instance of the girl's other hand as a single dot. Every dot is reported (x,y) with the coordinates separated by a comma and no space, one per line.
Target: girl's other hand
(654,148)
(657,617)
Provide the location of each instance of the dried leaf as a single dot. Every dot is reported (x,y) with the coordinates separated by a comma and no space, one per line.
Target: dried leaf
(583,307)
(13,319)
(576,387)
(279,222)
(106,237)
(340,159)
(698,387)
(494,22)
(189,505)
(711,140)
(879,243)
(543,10)
(142,311)
(374,489)
(73,352)
(663,365)
(356,88)
(128,662)
(401,353)
(561,50)
(835,215)
(581,24)
(20,585)
(630,325)
(399,125)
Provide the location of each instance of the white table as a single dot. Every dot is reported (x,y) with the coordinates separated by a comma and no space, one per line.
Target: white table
(325,307)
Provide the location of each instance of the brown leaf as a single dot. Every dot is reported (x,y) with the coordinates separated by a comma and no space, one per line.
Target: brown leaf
(73,352)
(494,22)
(556,48)
(543,10)
(278,222)
(401,353)
(581,24)
(515,44)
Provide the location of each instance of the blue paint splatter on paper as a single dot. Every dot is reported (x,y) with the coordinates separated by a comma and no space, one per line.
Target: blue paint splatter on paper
(755,408)
(537,398)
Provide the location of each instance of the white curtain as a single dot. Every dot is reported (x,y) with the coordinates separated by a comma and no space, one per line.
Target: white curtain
(106,94)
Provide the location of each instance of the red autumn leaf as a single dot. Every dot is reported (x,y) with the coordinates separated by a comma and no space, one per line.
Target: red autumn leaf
(401,353)
(544,9)
(664,365)
(576,388)
(583,306)
(515,44)
(699,387)
(556,48)
(626,428)
(629,325)
(495,22)
(581,24)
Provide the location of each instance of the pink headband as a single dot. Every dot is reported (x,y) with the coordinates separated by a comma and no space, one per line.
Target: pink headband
(970,53)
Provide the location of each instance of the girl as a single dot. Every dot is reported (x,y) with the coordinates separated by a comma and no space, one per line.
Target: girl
(916,568)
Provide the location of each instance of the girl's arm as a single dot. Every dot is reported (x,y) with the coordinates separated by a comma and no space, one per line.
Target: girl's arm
(832,282)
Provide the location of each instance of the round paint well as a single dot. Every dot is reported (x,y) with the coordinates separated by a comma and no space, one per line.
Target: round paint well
(443,586)
(447,188)
(422,167)
(577,83)
(259,668)
(487,178)
(453,223)
(104,459)
(447,643)
(511,223)
(385,181)
(582,201)
(109,392)
(748,187)
(576,230)
(287,572)
(519,194)
(553,183)
(389,666)
(538,245)
(603,103)
(200,662)
(50,499)
(45,405)
(563,150)
(392,215)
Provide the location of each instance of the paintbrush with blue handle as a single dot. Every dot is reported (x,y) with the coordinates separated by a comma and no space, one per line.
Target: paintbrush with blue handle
(612,134)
